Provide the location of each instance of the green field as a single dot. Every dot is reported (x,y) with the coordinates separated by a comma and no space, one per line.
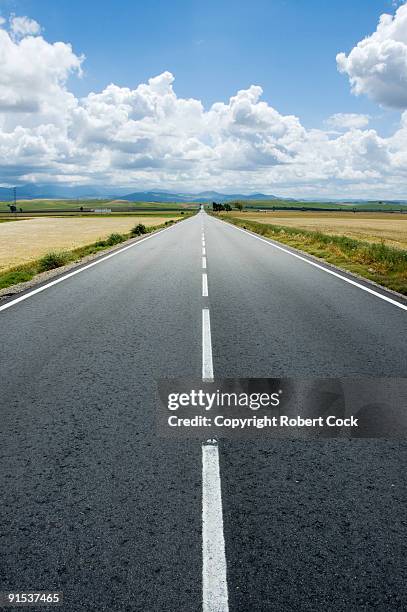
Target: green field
(301,205)
(75,206)
(125,207)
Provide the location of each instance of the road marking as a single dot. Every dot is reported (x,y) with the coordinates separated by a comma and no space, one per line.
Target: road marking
(70,274)
(214,584)
(204,263)
(204,285)
(207,365)
(203,251)
(320,267)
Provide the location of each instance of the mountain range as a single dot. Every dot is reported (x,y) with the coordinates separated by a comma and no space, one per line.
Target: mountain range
(30,192)
(61,192)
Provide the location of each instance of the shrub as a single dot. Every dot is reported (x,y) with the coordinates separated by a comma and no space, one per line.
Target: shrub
(53,260)
(114,239)
(138,230)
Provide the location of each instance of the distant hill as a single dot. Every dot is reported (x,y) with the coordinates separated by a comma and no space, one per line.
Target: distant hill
(203,196)
(50,192)
(159,196)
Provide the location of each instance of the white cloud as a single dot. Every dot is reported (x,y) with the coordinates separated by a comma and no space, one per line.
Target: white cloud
(33,75)
(347,121)
(23,26)
(377,66)
(149,137)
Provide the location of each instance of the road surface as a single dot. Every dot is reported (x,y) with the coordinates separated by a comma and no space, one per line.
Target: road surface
(96,505)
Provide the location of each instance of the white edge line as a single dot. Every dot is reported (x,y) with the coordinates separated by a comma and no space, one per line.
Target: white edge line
(320,267)
(214,583)
(204,285)
(94,263)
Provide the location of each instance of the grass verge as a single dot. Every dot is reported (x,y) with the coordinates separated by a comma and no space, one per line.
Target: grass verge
(56,259)
(378,262)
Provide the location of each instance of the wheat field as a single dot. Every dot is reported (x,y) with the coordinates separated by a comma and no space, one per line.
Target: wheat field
(30,239)
(372,227)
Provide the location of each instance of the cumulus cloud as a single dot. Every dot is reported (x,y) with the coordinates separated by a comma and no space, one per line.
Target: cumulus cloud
(23,26)
(149,137)
(347,121)
(34,72)
(377,66)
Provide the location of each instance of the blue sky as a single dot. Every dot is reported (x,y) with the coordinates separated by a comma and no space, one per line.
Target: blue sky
(213,50)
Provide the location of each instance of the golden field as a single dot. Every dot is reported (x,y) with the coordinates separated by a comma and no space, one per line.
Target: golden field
(30,239)
(372,227)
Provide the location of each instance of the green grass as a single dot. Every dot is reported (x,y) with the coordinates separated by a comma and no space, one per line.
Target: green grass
(374,206)
(70,205)
(17,275)
(56,259)
(383,264)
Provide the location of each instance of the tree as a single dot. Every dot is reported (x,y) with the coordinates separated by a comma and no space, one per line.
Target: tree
(217,207)
(239,206)
(227,207)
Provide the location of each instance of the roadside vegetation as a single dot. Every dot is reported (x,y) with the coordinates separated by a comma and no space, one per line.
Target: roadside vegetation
(56,259)
(376,261)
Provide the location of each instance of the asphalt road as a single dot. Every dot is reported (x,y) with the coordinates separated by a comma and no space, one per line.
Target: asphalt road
(96,505)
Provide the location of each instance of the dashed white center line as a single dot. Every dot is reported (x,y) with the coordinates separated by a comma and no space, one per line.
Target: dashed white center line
(204,285)
(214,581)
(207,366)
(204,263)
(214,585)
(203,251)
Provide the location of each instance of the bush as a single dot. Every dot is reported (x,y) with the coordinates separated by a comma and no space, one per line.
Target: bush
(138,230)
(100,243)
(53,260)
(114,239)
